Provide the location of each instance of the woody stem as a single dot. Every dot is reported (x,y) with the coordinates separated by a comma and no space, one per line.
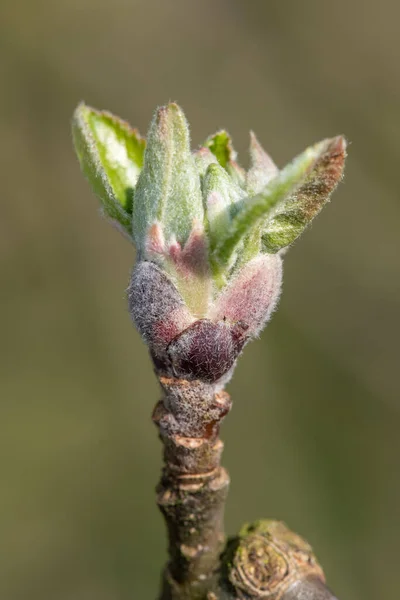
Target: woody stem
(193,487)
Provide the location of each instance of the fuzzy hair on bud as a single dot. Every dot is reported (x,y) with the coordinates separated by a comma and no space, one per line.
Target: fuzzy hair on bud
(204,349)
(252,294)
(156,307)
(209,235)
(182,346)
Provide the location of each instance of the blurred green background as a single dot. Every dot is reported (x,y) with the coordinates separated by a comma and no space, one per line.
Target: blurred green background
(313,437)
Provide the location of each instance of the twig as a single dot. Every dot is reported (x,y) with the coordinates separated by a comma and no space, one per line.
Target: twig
(193,487)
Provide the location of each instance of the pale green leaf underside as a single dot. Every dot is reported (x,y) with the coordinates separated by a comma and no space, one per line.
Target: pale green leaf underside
(254,212)
(111,156)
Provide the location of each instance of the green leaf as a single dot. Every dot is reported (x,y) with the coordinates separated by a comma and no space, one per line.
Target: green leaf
(292,215)
(168,188)
(220,144)
(255,211)
(111,156)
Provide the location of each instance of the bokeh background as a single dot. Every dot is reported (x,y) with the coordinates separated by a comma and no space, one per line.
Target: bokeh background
(313,437)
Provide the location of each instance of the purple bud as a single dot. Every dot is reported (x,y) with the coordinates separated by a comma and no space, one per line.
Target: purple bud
(206,350)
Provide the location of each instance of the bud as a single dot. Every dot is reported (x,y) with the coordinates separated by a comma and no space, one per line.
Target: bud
(204,349)
(251,295)
(207,350)
(267,560)
(183,347)
(156,307)
(208,234)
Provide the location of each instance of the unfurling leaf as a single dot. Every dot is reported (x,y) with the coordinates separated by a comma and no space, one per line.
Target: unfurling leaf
(292,215)
(254,212)
(220,144)
(168,190)
(111,156)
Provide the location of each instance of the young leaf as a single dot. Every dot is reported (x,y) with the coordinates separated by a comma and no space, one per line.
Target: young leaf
(168,188)
(292,215)
(255,211)
(220,144)
(111,156)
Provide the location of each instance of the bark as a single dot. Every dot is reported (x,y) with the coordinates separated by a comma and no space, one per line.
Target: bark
(193,487)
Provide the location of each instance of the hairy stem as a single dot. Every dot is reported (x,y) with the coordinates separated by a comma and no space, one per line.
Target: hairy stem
(193,486)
